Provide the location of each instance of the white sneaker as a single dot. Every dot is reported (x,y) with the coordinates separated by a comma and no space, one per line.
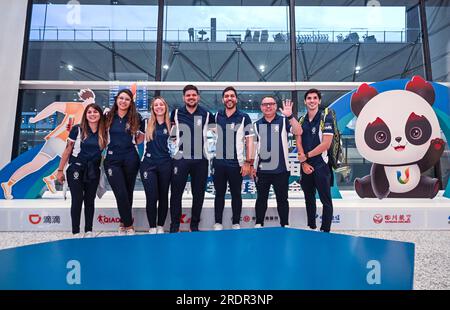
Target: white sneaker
(130,232)
(286,226)
(218,226)
(236,226)
(50,184)
(122,231)
(258,226)
(76,236)
(7,191)
(152,231)
(159,229)
(89,234)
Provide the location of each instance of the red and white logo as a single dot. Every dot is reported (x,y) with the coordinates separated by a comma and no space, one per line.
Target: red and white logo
(184,219)
(34,218)
(378,218)
(103,219)
(392,218)
(247,219)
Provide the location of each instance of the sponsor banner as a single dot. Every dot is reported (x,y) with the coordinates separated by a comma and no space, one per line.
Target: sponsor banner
(438,219)
(107,219)
(31,219)
(45,219)
(392,218)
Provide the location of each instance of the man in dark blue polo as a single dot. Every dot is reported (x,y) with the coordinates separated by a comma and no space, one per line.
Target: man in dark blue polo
(313,145)
(234,152)
(190,124)
(271,162)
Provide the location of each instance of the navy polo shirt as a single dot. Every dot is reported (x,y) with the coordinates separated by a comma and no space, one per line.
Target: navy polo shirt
(156,150)
(280,127)
(197,124)
(312,137)
(231,134)
(120,138)
(84,150)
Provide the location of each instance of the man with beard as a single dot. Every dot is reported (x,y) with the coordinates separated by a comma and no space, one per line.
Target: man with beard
(234,155)
(189,125)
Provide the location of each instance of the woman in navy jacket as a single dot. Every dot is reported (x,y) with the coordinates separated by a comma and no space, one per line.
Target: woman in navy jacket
(123,124)
(83,152)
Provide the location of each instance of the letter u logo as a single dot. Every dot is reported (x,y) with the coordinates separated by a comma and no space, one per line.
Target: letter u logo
(405,179)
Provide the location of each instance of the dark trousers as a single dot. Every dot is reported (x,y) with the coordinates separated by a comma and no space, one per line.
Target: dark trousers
(81,191)
(232,175)
(121,171)
(280,182)
(319,180)
(182,168)
(156,180)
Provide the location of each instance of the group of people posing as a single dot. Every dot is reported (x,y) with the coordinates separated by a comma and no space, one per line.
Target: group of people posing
(176,147)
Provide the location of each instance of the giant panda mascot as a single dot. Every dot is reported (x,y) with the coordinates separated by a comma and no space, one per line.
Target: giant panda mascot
(399,133)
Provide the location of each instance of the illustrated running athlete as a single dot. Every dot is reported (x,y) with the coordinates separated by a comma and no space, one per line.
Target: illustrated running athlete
(55,141)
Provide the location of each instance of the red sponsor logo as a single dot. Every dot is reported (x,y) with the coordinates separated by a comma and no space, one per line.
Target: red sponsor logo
(247,219)
(378,218)
(34,218)
(184,219)
(392,218)
(103,219)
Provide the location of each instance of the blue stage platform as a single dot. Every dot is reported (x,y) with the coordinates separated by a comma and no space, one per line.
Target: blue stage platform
(268,258)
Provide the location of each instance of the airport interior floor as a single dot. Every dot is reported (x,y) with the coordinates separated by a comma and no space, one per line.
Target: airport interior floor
(432,257)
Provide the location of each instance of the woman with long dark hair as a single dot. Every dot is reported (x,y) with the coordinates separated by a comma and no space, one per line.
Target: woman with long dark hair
(83,152)
(122,159)
(156,165)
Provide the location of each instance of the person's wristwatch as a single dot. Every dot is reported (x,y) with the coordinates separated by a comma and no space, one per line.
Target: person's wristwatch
(290,116)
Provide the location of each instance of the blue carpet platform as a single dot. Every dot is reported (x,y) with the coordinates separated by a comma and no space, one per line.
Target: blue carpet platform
(268,258)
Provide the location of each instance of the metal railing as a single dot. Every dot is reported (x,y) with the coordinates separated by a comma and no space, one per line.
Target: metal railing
(206,35)
(209,86)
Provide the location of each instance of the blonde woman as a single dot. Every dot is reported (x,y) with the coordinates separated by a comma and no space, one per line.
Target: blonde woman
(156,165)
(83,152)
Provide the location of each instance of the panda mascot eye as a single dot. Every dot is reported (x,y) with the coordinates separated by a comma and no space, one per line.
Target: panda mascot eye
(377,135)
(380,136)
(418,129)
(416,133)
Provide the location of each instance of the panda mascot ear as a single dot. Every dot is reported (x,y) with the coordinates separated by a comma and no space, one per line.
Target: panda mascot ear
(421,87)
(362,95)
